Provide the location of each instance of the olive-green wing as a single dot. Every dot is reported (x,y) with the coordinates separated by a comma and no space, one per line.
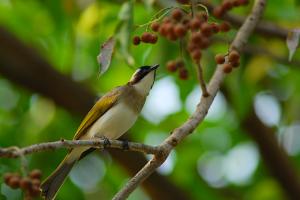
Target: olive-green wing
(101,106)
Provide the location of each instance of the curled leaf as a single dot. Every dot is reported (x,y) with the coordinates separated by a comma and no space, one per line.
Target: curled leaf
(104,58)
(292,41)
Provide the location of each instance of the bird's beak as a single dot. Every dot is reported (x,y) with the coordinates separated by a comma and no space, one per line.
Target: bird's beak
(154,67)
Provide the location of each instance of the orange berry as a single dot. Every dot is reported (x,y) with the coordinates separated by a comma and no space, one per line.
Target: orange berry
(155,26)
(220,59)
(227,68)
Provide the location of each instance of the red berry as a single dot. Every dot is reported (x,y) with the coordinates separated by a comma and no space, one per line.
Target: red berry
(146,37)
(179,63)
(35,174)
(177,14)
(36,182)
(180,30)
(242,2)
(155,26)
(34,191)
(204,43)
(227,68)
(171,66)
(202,16)
(153,39)
(195,24)
(206,29)
(218,12)
(7,177)
(220,59)
(25,183)
(224,27)
(196,38)
(136,40)
(14,182)
(227,5)
(183,1)
(215,27)
(234,56)
(235,64)
(183,74)
(196,55)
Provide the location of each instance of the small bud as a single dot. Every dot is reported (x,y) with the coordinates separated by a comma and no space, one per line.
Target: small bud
(218,12)
(195,24)
(196,55)
(206,29)
(155,26)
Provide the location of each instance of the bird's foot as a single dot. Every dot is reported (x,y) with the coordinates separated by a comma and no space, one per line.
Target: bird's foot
(125,145)
(106,142)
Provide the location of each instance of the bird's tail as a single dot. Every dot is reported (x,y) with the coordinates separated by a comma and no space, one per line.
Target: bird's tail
(52,184)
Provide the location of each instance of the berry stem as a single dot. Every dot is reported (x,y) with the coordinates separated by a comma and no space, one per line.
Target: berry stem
(201,80)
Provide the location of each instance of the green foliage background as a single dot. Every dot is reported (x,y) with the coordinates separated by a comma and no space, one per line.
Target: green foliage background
(68,35)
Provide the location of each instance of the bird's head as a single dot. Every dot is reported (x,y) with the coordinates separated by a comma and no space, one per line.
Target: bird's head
(143,78)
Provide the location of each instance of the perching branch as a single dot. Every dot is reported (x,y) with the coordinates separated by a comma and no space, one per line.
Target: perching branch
(13,152)
(202,108)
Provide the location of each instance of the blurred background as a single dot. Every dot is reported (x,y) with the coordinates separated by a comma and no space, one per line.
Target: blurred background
(247,147)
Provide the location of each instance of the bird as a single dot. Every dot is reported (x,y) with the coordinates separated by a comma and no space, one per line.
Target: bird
(110,117)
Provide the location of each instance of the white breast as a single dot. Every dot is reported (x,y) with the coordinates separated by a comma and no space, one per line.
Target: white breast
(113,123)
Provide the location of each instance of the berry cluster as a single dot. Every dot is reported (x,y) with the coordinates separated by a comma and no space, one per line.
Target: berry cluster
(233,60)
(146,38)
(174,65)
(30,184)
(227,5)
(194,31)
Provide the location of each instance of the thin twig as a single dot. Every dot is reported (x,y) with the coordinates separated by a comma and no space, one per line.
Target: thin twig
(200,75)
(96,143)
(202,108)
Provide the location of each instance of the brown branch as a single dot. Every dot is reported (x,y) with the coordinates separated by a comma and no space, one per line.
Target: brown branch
(202,108)
(24,66)
(274,156)
(13,152)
